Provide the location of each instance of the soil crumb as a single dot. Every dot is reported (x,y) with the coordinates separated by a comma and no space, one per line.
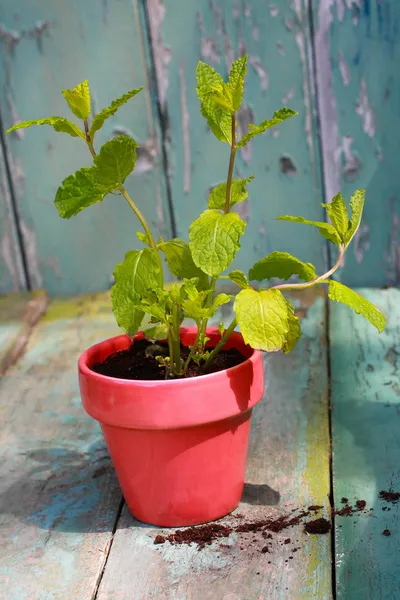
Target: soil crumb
(318,526)
(389,496)
(386,532)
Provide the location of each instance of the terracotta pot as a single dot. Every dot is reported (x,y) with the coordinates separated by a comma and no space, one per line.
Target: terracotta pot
(179,447)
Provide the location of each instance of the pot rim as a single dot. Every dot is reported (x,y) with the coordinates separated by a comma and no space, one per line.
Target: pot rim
(85,370)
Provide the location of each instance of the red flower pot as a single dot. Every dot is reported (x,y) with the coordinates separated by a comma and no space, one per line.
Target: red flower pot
(179,447)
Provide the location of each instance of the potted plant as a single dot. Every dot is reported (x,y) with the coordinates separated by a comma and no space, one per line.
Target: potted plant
(174,403)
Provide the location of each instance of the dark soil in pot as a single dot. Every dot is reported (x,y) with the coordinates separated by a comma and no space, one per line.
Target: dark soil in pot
(138,362)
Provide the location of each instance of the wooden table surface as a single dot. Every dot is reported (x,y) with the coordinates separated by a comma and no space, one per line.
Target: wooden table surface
(65,532)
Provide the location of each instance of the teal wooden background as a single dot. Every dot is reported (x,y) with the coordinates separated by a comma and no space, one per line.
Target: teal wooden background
(334,62)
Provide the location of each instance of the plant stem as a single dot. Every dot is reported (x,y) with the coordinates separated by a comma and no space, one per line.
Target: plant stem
(176,340)
(230,168)
(319,279)
(88,139)
(171,353)
(139,216)
(220,345)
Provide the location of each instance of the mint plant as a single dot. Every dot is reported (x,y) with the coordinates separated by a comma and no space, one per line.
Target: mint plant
(266,317)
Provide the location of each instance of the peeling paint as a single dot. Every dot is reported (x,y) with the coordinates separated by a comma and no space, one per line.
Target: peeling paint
(288,24)
(235,12)
(30,243)
(361,242)
(287,97)
(275,132)
(301,44)
(261,72)
(365,111)
(393,255)
(243,210)
(208,46)
(281,48)
(162,54)
(344,70)
(287,165)
(7,247)
(245,117)
(327,102)
(340,8)
(229,53)
(352,165)
(274,11)
(255,32)
(218,16)
(146,156)
(185,130)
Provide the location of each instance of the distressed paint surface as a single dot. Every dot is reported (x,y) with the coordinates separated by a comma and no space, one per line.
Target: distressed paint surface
(357,58)
(366,447)
(46,47)
(59,499)
(284,160)
(288,466)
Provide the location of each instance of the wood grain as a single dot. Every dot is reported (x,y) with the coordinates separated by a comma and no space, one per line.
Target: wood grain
(48,46)
(366,447)
(285,160)
(59,498)
(357,57)
(288,467)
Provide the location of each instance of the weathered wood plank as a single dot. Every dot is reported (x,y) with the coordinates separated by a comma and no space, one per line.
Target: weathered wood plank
(47,47)
(19,313)
(288,467)
(366,447)
(357,58)
(59,498)
(285,160)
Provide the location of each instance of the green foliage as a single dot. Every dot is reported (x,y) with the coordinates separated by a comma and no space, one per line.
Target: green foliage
(283,266)
(341,293)
(58,123)
(279,116)
(108,112)
(214,239)
(78,99)
(266,318)
(239,193)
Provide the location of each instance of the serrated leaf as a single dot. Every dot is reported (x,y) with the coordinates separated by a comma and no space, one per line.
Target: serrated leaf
(239,278)
(214,239)
(219,300)
(337,211)
(180,262)
(239,193)
(115,161)
(78,191)
(78,99)
(156,333)
(208,81)
(294,331)
(194,309)
(279,116)
(211,86)
(106,113)
(325,229)
(143,237)
(236,80)
(282,265)
(218,119)
(341,293)
(58,123)
(266,320)
(134,278)
(357,206)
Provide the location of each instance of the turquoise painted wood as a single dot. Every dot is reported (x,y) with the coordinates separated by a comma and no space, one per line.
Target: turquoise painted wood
(357,57)
(286,160)
(59,499)
(366,447)
(47,46)
(288,467)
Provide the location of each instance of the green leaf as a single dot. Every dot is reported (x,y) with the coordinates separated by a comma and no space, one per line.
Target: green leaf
(58,123)
(78,191)
(325,229)
(236,80)
(337,211)
(214,96)
(219,300)
(194,309)
(266,320)
(115,161)
(294,331)
(239,193)
(158,332)
(143,237)
(99,119)
(180,262)
(341,293)
(283,266)
(134,278)
(214,239)
(357,206)
(239,278)
(279,116)
(78,99)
